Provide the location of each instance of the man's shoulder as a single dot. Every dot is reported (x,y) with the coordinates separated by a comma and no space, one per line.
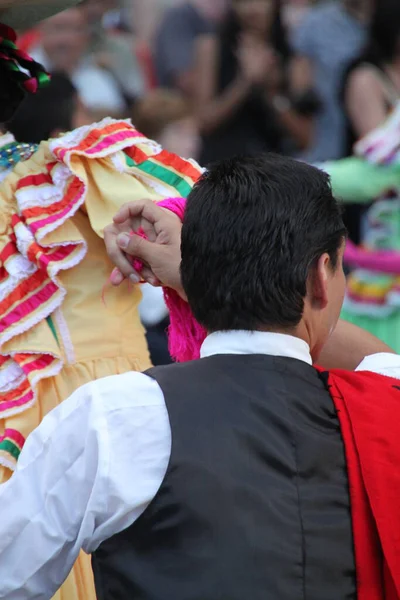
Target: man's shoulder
(127,390)
(174,369)
(363,379)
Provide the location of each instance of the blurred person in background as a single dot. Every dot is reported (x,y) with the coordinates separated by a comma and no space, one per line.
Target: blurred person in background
(372,83)
(114,52)
(371,96)
(55,109)
(294,12)
(167,116)
(146,16)
(331,35)
(176,38)
(370,90)
(65,42)
(245,97)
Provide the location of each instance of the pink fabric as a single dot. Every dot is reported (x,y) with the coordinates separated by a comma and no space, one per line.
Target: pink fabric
(185,334)
(382,261)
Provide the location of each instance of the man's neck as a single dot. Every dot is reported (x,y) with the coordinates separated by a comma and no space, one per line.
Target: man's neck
(301,331)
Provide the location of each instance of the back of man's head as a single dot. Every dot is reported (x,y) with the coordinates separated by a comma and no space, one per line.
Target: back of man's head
(253,231)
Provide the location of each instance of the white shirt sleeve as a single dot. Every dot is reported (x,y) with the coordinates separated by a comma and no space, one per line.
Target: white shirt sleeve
(383,364)
(152,308)
(88,472)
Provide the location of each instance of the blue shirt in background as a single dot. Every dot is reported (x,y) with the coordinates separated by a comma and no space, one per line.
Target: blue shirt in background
(331,38)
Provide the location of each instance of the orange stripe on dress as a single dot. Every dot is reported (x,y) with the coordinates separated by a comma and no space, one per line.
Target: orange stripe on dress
(180,165)
(137,154)
(28,306)
(98,139)
(16,394)
(17,402)
(31,214)
(8,251)
(22,290)
(35,362)
(3,360)
(25,294)
(34,181)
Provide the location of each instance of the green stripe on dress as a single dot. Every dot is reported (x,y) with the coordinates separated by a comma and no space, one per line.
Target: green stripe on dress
(163,174)
(53,329)
(11,448)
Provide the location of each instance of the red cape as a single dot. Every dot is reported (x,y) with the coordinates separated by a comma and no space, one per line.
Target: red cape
(368,407)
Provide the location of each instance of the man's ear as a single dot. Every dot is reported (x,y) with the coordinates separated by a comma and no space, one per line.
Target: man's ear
(318,283)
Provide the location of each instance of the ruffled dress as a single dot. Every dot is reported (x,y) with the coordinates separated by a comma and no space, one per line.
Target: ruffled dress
(373,288)
(59,326)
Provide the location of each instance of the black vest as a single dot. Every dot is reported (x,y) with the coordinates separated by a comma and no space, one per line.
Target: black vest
(255,502)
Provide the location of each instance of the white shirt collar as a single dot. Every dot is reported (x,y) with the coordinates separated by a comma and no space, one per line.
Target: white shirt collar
(256,342)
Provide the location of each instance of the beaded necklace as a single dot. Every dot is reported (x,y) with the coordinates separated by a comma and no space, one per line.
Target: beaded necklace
(13,152)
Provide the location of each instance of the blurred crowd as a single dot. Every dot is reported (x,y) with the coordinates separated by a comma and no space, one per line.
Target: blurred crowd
(214,78)
(210,79)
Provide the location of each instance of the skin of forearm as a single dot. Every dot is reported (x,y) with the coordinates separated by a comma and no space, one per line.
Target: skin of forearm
(348,346)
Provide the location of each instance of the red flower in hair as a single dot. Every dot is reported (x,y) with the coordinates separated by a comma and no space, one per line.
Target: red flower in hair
(25,71)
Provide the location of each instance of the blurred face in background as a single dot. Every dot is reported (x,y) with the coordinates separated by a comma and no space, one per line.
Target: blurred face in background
(254,15)
(65,39)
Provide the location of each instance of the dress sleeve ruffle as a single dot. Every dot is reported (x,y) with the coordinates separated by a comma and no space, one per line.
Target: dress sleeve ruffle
(93,167)
(373,287)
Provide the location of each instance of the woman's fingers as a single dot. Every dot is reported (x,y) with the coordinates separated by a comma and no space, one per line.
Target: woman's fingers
(149,277)
(139,209)
(116,277)
(116,253)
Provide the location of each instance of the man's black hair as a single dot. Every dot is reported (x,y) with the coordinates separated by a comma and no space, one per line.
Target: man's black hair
(41,114)
(253,229)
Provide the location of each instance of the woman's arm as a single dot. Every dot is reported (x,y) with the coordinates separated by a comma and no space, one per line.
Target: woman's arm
(364,101)
(348,346)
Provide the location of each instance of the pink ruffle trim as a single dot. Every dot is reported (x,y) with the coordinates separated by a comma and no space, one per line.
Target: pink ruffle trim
(380,261)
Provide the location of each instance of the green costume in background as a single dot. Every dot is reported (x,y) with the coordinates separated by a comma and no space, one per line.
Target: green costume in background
(373,175)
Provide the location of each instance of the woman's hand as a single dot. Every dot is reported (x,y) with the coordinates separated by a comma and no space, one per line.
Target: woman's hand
(160,252)
(256,60)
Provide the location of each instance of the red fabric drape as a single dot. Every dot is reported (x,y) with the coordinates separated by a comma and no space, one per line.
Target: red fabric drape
(368,407)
